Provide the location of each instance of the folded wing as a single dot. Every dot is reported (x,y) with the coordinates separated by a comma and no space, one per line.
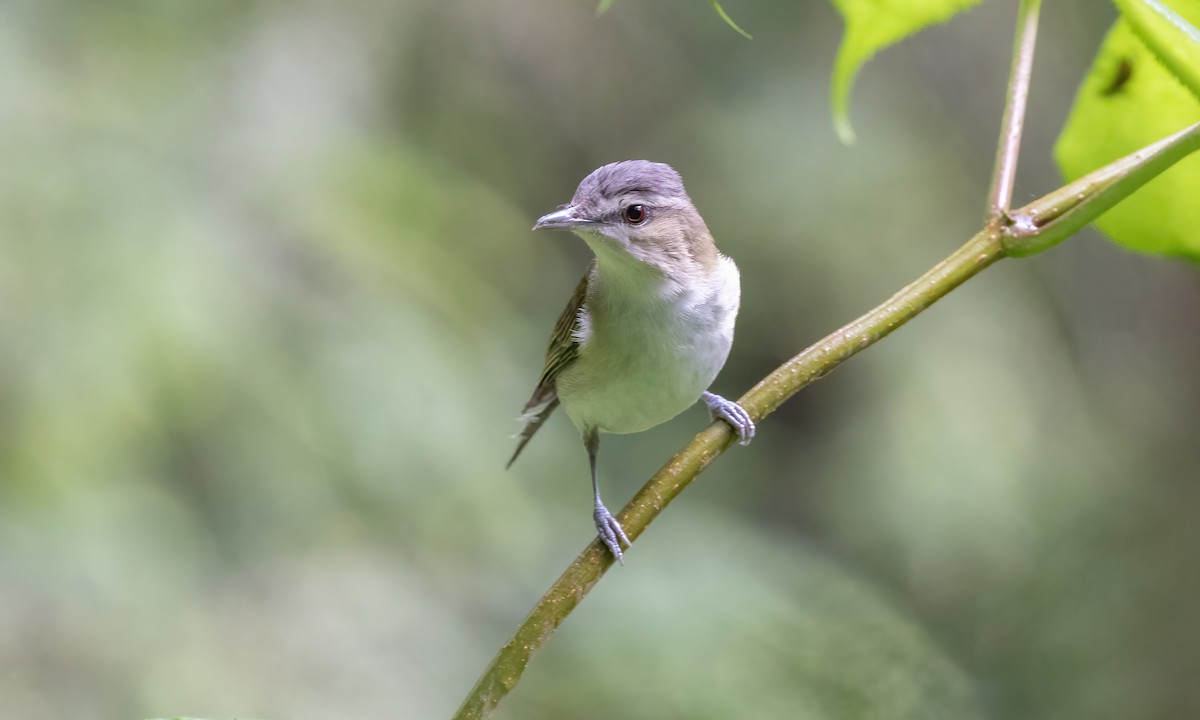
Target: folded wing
(562,351)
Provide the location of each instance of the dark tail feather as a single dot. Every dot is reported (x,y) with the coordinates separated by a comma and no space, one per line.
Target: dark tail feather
(531,427)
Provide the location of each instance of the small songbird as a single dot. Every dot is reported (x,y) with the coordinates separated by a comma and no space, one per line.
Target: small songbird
(650,324)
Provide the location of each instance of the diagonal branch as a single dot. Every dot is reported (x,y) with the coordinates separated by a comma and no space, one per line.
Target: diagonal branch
(1005,173)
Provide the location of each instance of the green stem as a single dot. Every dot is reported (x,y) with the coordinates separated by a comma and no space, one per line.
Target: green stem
(820,359)
(1048,221)
(1005,173)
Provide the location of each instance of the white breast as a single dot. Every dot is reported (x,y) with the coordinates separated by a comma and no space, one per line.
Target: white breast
(648,348)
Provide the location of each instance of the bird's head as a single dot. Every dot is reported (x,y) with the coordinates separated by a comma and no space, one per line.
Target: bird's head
(638,210)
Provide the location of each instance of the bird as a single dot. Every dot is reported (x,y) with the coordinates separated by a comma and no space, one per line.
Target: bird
(649,325)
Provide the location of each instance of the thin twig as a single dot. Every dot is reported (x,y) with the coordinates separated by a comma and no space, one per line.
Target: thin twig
(1004,174)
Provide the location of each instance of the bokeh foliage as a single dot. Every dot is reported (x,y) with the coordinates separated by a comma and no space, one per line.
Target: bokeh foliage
(269,303)
(872,25)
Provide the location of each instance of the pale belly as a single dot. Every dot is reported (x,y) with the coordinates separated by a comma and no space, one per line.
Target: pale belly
(633,376)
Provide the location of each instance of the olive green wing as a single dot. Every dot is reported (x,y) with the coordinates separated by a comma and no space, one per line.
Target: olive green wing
(562,351)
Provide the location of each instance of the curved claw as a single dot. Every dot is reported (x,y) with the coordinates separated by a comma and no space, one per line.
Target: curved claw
(721,409)
(610,532)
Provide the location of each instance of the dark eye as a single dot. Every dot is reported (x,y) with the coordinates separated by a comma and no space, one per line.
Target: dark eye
(635,214)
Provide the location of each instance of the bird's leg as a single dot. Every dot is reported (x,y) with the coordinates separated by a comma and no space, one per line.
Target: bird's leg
(721,409)
(609,529)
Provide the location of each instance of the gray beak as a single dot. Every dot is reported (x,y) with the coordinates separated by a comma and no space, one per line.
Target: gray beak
(564,219)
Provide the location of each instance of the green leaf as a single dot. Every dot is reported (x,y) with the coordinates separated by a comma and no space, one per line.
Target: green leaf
(1169,35)
(1127,101)
(872,25)
(728,20)
(603,7)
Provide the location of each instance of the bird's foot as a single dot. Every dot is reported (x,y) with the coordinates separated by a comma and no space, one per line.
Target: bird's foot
(721,409)
(610,531)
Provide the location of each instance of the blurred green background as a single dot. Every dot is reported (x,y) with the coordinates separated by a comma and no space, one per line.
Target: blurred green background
(270,304)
